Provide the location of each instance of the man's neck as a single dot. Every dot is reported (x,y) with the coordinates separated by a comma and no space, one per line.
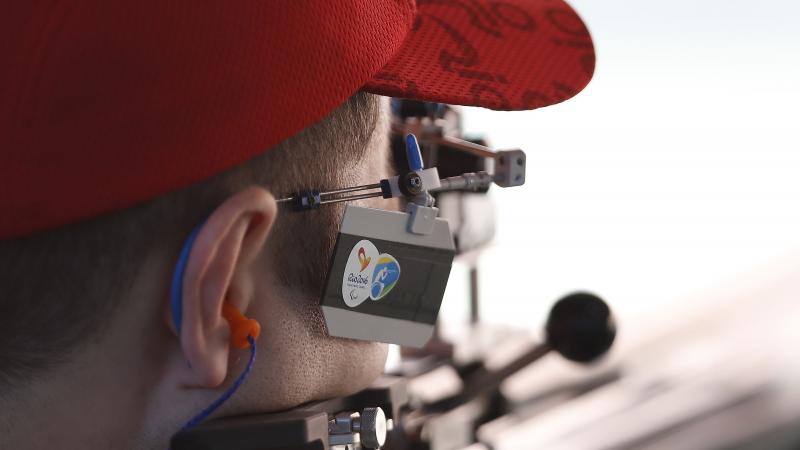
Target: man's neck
(71,407)
(98,399)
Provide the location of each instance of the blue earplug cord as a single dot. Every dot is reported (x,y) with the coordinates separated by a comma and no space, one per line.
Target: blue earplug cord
(203,415)
(176,298)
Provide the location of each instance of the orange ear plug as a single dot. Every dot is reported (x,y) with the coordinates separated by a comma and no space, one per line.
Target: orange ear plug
(241,326)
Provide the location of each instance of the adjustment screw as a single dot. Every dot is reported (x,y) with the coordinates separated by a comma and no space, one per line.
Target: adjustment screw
(373,428)
(411,185)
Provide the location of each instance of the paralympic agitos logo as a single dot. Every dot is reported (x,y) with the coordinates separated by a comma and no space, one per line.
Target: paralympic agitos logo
(368,274)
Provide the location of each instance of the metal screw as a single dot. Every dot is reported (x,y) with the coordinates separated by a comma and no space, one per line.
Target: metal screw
(412,183)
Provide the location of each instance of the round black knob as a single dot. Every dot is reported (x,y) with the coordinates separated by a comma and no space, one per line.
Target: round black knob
(373,428)
(580,327)
(410,184)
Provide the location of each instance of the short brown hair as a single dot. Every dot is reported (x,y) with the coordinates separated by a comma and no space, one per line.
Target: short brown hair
(59,287)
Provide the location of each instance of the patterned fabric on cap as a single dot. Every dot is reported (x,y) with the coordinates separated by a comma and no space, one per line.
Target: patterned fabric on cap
(106,104)
(509,55)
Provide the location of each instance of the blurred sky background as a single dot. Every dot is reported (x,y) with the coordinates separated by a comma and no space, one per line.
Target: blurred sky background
(675,172)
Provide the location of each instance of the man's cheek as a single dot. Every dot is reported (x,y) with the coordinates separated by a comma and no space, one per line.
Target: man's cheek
(302,363)
(300,249)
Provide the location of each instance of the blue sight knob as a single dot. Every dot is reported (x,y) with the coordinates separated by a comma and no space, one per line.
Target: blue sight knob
(413,154)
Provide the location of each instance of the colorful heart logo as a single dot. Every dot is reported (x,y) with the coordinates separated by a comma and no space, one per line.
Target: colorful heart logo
(368,274)
(384,277)
(357,273)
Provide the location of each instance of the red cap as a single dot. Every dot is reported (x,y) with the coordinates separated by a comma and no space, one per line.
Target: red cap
(107,104)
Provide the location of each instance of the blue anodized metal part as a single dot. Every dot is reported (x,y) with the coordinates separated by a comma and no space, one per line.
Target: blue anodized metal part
(413,154)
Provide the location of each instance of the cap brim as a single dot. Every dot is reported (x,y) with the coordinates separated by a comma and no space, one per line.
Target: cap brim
(509,55)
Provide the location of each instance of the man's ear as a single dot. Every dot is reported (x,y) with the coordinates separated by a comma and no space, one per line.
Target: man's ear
(217,272)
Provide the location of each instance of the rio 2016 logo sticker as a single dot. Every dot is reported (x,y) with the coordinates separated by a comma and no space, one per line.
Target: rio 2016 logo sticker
(368,274)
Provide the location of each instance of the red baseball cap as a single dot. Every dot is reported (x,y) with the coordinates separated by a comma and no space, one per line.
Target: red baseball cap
(107,104)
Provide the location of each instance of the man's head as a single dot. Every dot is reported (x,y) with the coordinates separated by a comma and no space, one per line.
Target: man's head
(123,127)
(101,287)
